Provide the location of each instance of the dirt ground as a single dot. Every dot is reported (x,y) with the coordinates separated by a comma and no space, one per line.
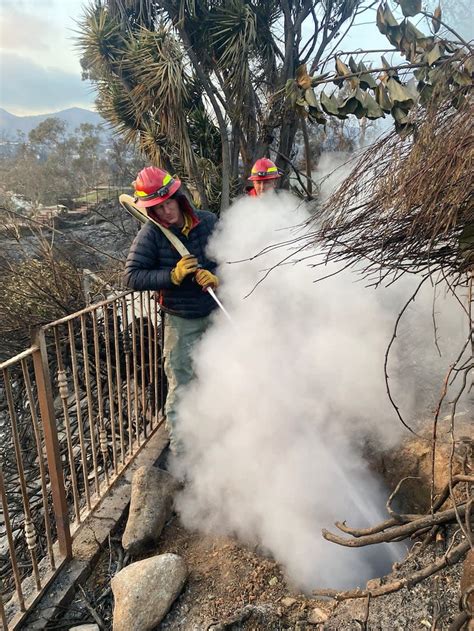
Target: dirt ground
(232,587)
(228,581)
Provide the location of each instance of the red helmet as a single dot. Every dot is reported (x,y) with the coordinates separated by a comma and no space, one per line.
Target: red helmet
(264,169)
(153,186)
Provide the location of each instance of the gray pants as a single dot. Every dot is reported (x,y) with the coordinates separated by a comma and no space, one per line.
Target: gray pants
(181,334)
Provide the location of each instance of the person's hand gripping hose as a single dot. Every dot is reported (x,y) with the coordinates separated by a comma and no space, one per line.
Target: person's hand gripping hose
(206,279)
(188,264)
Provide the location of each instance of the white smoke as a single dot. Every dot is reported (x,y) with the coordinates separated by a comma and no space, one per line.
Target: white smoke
(274,424)
(333,169)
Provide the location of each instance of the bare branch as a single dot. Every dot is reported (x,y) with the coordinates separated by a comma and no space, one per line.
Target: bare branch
(450,558)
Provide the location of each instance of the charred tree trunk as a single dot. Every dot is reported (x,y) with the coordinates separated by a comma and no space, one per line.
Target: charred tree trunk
(307,155)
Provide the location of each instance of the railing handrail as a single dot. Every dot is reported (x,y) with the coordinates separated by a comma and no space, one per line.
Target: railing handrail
(88,309)
(17,358)
(64,320)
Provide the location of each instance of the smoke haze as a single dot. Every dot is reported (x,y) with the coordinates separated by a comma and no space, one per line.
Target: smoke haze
(284,397)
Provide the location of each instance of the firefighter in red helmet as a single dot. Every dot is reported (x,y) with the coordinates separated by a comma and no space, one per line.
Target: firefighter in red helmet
(265,176)
(154,264)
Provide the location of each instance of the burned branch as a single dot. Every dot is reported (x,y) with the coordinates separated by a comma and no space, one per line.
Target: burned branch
(394,532)
(450,558)
(397,517)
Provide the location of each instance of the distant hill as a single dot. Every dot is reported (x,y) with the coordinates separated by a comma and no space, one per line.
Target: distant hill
(73,117)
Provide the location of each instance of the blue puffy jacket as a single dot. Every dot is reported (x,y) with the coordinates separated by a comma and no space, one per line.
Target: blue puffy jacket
(152,257)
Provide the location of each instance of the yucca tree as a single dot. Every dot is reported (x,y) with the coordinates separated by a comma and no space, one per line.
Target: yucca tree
(200,85)
(143,88)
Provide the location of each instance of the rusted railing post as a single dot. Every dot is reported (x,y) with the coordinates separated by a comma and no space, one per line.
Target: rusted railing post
(45,400)
(3,615)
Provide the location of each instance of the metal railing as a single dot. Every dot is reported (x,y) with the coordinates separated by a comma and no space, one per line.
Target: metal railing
(75,409)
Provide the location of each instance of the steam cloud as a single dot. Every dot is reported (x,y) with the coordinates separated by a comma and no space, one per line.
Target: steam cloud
(274,424)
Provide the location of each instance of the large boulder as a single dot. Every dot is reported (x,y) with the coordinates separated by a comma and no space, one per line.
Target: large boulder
(144,591)
(150,507)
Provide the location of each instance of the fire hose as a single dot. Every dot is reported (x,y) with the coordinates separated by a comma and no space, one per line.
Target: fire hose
(128,203)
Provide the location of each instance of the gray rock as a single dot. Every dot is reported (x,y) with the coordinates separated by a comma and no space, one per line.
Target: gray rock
(288,601)
(85,627)
(317,616)
(150,507)
(373,583)
(144,591)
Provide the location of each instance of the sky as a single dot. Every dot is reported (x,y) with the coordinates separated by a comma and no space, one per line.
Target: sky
(39,66)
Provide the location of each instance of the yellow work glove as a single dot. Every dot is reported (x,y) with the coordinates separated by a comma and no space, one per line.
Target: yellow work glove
(206,279)
(187,265)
